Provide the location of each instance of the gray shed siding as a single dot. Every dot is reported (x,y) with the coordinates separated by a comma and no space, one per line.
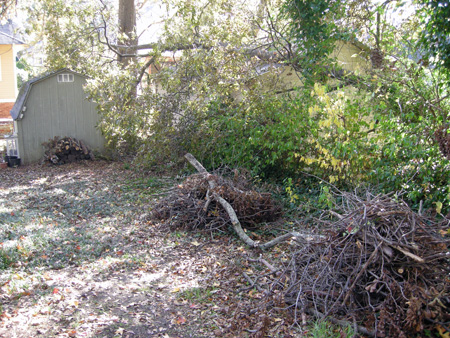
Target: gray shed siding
(57,109)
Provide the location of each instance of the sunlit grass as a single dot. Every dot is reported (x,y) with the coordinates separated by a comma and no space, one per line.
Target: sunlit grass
(64,224)
(325,329)
(198,294)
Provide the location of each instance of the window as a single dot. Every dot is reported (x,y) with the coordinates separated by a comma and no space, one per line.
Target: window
(11,147)
(39,61)
(65,77)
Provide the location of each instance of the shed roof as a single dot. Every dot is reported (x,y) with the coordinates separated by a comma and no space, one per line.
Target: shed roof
(17,109)
(8,35)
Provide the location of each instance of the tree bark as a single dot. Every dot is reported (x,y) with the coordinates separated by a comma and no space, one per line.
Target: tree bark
(127,30)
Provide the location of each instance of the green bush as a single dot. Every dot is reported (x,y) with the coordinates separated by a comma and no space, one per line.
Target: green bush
(282,136)
(348,138)
(410,162)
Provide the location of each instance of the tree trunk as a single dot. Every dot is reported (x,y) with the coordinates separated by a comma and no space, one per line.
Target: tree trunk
(127,30)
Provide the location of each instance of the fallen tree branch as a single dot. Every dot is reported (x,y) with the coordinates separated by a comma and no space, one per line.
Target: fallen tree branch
(208,201)
(252,283)
(232,213)
(409,254)
(266,263)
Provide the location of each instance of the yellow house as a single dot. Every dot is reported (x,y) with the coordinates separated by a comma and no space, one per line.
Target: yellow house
(351,57)
(10,44)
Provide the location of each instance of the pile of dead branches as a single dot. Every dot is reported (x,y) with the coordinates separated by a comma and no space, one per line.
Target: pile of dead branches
(192,206)
(382,266)
(66,150)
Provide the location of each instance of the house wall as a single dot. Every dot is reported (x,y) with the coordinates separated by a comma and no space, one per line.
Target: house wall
(350,57)
(347,55)
(283,79)
(57,109)
(8,80)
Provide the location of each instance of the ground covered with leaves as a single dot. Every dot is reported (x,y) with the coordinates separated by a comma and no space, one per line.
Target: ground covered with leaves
(94,249)
(378,266)
(80,257)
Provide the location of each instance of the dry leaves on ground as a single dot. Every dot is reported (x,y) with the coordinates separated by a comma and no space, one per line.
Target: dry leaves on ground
(79,257)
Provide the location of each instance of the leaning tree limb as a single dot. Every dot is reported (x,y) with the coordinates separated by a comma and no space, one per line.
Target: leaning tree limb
(232,214)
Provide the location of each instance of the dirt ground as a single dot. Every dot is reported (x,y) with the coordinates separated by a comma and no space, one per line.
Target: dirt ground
(79,257)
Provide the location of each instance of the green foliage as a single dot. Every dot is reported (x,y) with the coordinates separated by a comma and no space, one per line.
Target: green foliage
(326,199)
(314,31)
(124,118)
(323,328)
(268,135)
(220,100)
(24,72)
(291,191)
(325,134)
(72,32)
(339,147)
(408,156)
(419,171)
(385,139)
(161,116)
(434,38)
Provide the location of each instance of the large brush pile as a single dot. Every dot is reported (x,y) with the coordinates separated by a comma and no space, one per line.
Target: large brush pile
(191,206)
(383,266)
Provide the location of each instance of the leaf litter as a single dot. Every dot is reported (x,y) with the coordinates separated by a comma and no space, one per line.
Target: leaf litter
(381,268)
(80,257)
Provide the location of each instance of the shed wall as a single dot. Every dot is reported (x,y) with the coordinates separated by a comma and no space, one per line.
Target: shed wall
(57,109)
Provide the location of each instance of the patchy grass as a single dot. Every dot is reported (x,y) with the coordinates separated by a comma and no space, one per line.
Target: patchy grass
(324,329)
(80,258)
(198,294)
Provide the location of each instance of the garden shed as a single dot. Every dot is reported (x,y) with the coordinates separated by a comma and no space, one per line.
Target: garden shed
(50,105)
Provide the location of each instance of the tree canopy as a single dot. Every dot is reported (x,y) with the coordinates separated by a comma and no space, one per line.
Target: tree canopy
(212,82)
(6,6)
(435,36)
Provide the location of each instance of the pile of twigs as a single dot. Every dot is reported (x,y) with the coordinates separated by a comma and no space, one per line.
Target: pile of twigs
(382,266)
(191,206)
